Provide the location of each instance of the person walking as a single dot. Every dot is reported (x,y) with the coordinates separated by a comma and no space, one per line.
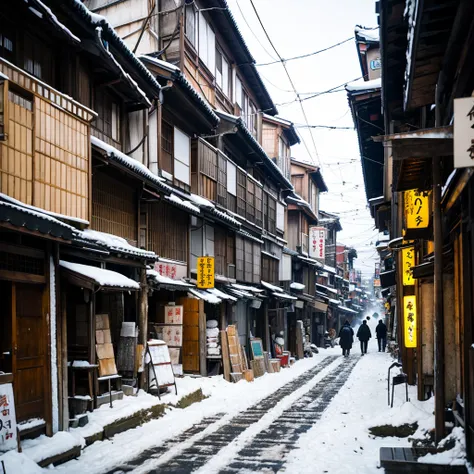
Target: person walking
(364,335)
(346,338)
(381,331)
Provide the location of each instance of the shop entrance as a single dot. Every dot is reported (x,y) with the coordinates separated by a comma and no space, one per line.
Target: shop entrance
(23,346)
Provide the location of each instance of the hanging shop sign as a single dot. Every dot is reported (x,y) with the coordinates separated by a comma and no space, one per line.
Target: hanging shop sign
(205,272)
(417,209)
(7,418)
(376,282)
(171,269)
(317,242)
(409,313)
(464,132)
(408,261)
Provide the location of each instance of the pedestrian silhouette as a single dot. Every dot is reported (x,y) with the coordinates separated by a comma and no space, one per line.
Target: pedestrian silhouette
(364,335)
(381,331)
(346,338)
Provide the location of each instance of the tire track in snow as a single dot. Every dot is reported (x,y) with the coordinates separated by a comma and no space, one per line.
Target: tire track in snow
(195,455)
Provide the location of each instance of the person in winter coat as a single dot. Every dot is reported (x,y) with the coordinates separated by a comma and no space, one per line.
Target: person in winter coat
(346,338)
(364,335)
(381,331)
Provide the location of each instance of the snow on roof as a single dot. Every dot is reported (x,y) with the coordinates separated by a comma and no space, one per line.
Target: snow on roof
(375,199)
(204,295)
(34,211)
(200,201)
(298,200)
(159,62)
(225,216)
(368,34)
(101,276)
(3,76)
(183,203)
(113,242)
(274,288)
(7,198)
(249,236)
(329,269)
(275,118)
(251,289)
(130,163)
(297,286)
(284,296)
(55,20)
(221,294)
(336,302)
(364,85)
(311,261)
(164,280)
(327,288)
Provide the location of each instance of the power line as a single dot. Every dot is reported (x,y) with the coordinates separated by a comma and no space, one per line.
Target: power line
(302,56)
(330,127)
(291,82)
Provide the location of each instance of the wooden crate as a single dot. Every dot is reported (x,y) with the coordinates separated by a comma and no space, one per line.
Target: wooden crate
(248,375)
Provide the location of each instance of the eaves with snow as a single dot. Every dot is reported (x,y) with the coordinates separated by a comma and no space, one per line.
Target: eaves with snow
(364,86)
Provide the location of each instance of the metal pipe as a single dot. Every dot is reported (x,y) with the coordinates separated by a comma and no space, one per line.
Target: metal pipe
(438,287)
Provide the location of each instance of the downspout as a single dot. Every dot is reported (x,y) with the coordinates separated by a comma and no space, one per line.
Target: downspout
(438,280)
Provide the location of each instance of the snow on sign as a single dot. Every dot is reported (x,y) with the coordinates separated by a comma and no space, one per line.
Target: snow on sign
(409,313)
(7,418)
(317,242)
(464,132)
(205,272)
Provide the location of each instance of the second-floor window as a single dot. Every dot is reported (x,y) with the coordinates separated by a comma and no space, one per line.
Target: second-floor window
(182,156)
(283,157)
(207,44)
(269,206)
(7,40)
(108,110)
(314,198)
(222,73)
(190,24)
(38,59)
(280,217)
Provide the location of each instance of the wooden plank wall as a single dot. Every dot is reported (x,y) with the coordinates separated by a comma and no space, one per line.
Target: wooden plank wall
(114,207)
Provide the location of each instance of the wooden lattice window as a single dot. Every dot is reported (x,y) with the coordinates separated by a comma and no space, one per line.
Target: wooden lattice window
(222,180)
(239,257)
(248,260)
(250,200)
(258,205)
(270,213)
(241,192)
(108,110)
(168,231)
(166,147)
(257,254)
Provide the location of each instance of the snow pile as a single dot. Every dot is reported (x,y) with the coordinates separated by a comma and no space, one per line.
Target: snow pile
(101,276)
(374,84)
(30,424)
(200,201)
(212,338)
(367,34)
(114,242)
(183,203)
(204,295)
(18,463)
(453,457)
(45,447)
(297,286)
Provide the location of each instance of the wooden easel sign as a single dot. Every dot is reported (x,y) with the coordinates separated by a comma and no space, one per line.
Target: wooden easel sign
(8,431)
(160,372)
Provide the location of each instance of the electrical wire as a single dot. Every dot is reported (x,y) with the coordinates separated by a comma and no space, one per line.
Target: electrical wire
(302,56)
(291,82)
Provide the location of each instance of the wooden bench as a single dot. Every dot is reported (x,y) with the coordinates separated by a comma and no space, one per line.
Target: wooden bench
(400,460)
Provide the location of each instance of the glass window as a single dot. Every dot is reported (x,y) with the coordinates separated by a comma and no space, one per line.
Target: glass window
(207,43)
(166,147)
(182,154)
(238,92)
(280,220)
(222,73)
(231,178)
(190,27)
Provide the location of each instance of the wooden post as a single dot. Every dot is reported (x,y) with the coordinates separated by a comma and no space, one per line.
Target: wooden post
(267,327)
(438,303)
(223,322)
(143,317)
(64,405)
(202,339)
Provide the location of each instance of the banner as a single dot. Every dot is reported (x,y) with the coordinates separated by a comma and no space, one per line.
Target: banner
(205,272)
(409,313)
(464,132)
(317,242)
(417,209)
(408,261)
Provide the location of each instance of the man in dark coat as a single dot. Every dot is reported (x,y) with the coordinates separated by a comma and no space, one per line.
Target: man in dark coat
(346,338)
(381,331)
(364,335)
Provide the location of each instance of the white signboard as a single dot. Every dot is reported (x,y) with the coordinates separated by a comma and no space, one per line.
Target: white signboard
(464,132)
(317,242)
(171,269)
(7,418)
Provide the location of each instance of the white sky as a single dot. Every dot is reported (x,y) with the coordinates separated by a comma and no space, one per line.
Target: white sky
(300,27)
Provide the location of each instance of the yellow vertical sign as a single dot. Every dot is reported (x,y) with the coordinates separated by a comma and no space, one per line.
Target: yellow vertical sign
(417,209)
(408,261)
(205,272)
(409,313)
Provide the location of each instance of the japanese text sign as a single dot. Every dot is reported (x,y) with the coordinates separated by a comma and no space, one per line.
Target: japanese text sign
(205,272)
(417,209)
(408,261)
(409,313)
(317,242)
(7,418)
(174,314)
(464,132)
(166,269)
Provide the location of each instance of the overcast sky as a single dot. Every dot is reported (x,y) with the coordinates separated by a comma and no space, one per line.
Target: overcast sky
(298,27)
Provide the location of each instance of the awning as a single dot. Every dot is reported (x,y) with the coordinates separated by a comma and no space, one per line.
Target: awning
(424,270)
(413,153)
(249,289)
(87,276)
(334,302)
(241,294)
(347,310)
(311,261)
(326,288)
(31,219)
(222,294)
(166,282)
(277,292)
(205,296)
(320,306)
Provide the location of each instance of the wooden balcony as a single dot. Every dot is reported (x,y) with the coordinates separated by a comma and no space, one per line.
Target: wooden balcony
(45,151)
